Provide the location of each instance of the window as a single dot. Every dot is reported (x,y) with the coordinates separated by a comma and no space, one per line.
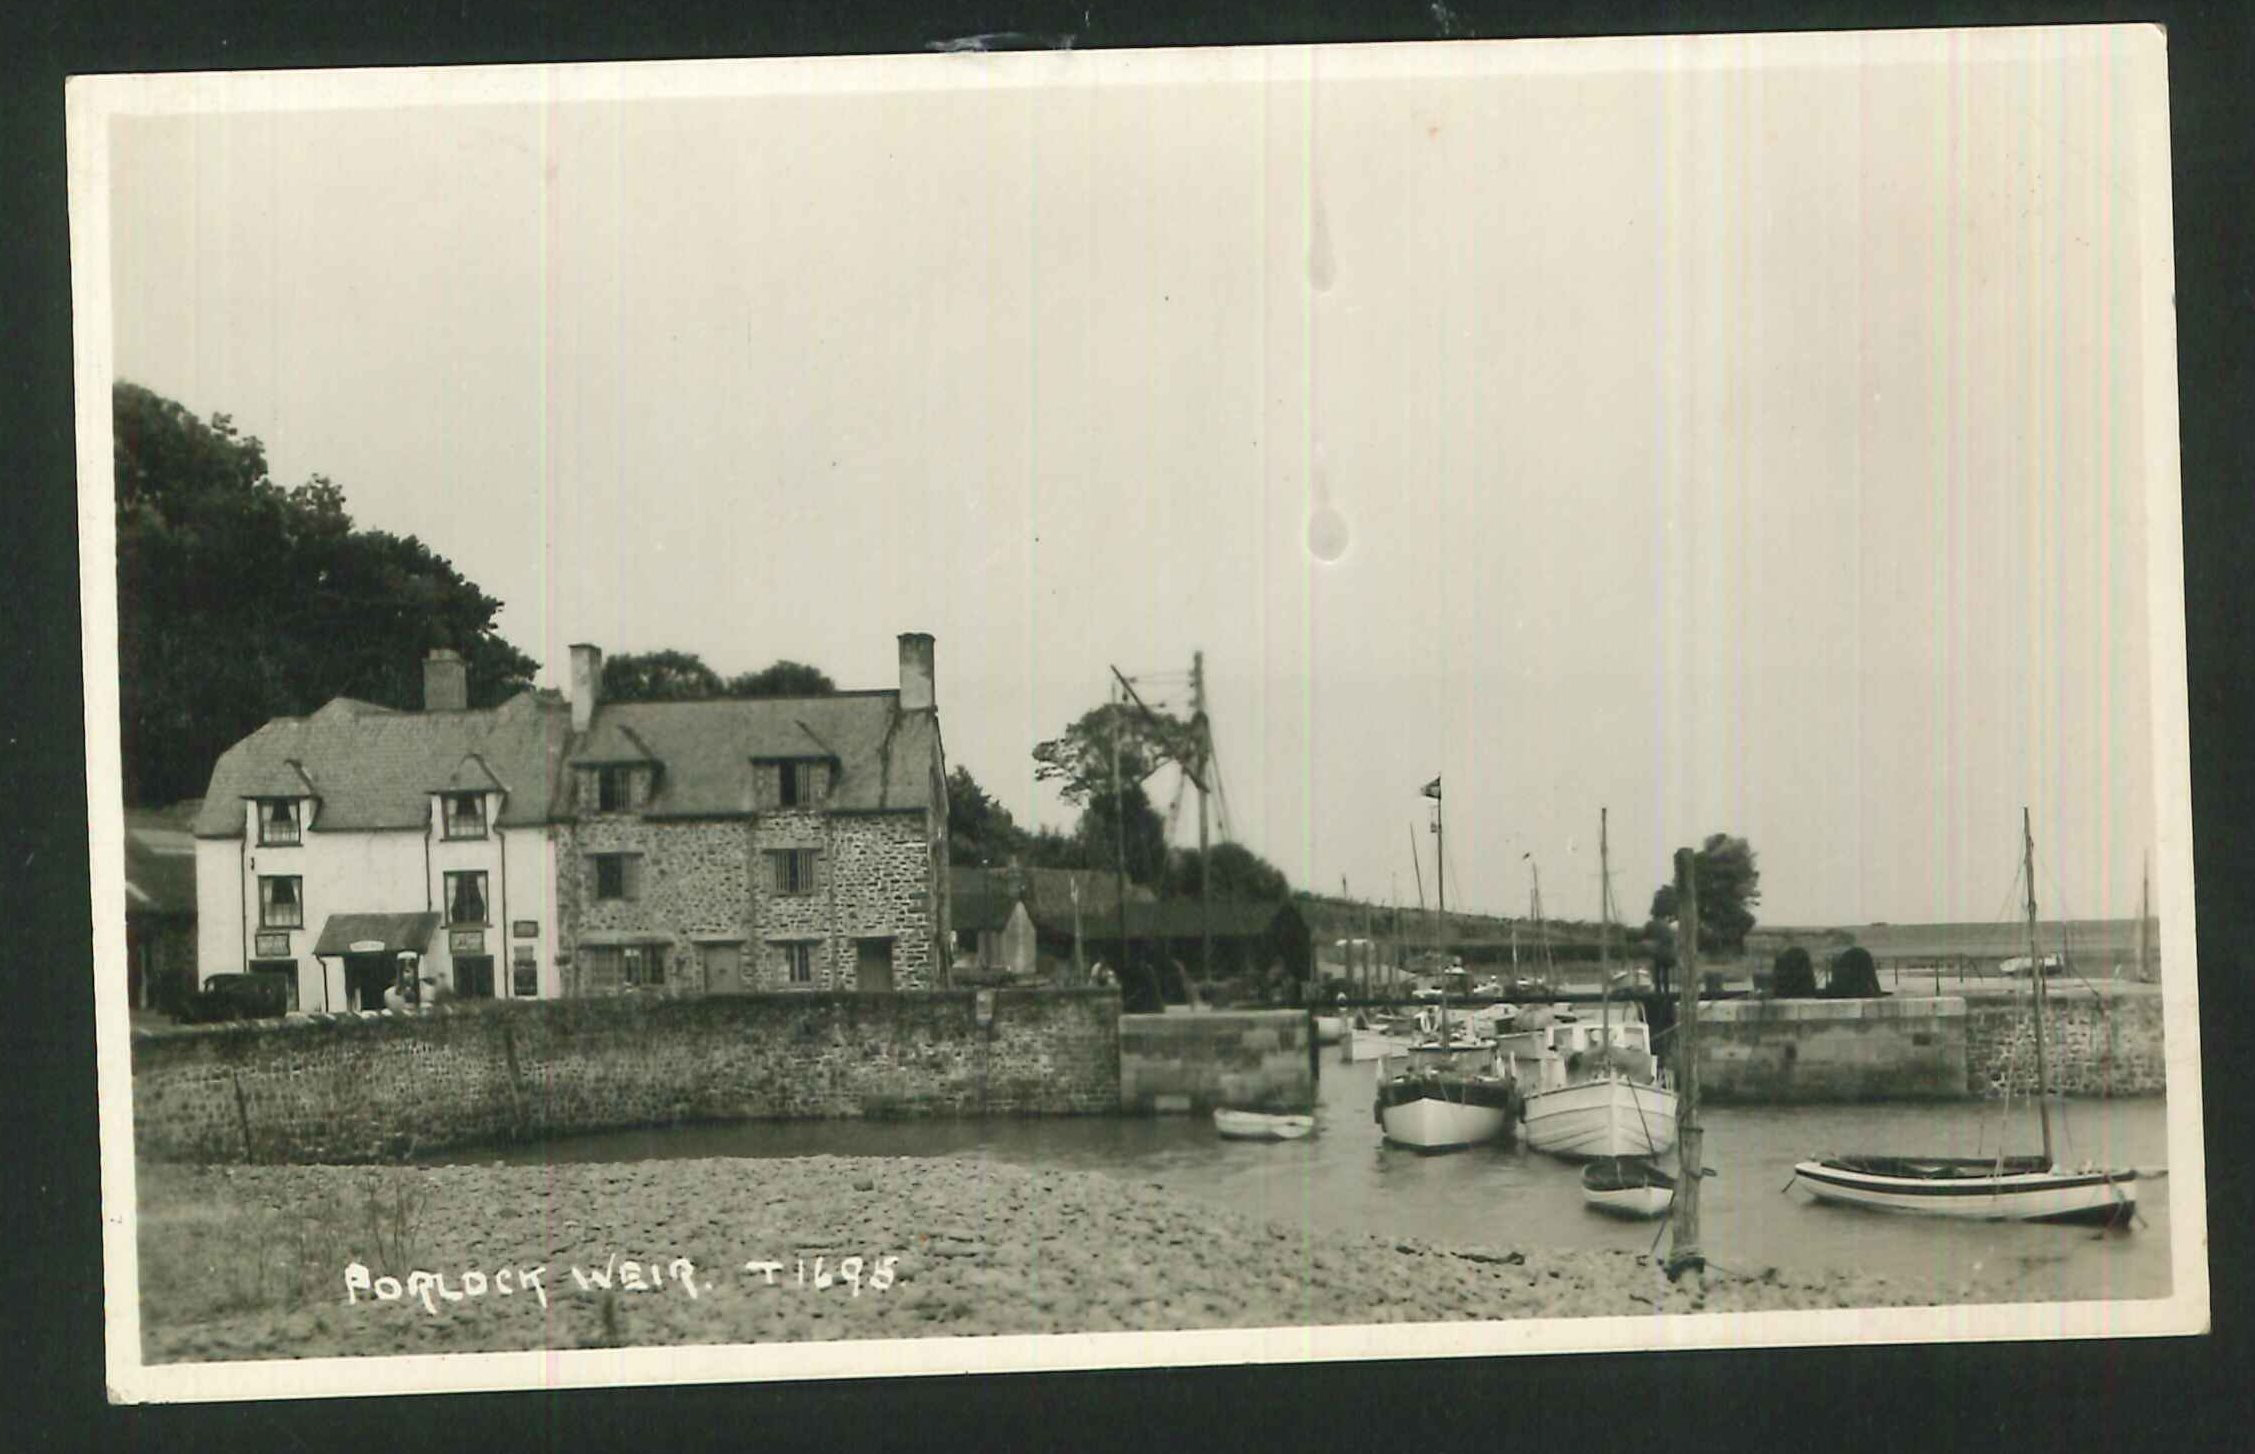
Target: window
(465,815)
(277,823)
(612,789)
(798,962)
(794,869)
(465,898)
(617,875)
(281,902)
(645,964)
(801,784)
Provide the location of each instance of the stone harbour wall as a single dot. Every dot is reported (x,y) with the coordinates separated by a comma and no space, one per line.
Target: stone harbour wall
(1247,1060)
(354,1089)
(1789,1051)
(2096,1047)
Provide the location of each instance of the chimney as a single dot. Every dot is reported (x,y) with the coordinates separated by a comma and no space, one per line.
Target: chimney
(446,682)
(587,684)
(915,672)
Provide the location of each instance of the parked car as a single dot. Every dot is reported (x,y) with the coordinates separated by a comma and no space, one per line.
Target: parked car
(236,997)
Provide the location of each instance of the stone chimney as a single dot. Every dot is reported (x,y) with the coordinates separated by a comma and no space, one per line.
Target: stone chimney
(587,684)
(446,682)
(916,672)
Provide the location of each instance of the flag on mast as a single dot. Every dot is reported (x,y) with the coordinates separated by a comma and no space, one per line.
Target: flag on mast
(1433,789)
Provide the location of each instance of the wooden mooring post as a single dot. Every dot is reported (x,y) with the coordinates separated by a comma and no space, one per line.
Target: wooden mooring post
(1683,1247)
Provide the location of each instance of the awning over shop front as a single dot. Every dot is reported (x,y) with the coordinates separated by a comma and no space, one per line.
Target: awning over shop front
(376,933)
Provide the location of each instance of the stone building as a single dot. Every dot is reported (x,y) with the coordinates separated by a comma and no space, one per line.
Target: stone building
(767,844)
(547,847)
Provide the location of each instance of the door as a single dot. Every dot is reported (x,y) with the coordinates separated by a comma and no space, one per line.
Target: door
(473,976)
(367,976)
(873,965)
(724,968)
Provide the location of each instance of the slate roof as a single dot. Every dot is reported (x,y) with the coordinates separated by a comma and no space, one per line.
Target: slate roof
(706,749)
(374,767)
(981,898)
(160,863)
(1187,918)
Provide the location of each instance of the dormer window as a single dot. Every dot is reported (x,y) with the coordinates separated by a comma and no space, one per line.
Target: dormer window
(278,823)
(464,814)
(800,783)
(614,788)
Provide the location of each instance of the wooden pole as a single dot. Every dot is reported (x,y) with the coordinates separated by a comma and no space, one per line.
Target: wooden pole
(1683,1249)
(1205,865)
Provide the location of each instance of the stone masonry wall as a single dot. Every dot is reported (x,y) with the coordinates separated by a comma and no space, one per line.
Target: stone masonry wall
(2095,1046)
(716,880)
(1798,1051)
(389,1087)
(1247,1060)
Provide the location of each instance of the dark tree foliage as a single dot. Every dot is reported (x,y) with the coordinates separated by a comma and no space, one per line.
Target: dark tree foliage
(1793,976)
(781,679)
(1099,766)
(682,676)
(240,600)
(1854,976)
(1729,886)
(1238,873)
(980,831)
(658,676)
(1142,845)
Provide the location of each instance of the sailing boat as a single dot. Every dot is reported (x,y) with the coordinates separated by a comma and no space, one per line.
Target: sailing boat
(1592,1090)
(1998,1188)
(1451,1092)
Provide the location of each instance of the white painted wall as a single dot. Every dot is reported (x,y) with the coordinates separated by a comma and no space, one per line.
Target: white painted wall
(387,872)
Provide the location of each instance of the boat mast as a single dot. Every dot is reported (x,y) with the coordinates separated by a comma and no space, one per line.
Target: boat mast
(1441,893)
(2036,974)
(2145,921)
(1604,937)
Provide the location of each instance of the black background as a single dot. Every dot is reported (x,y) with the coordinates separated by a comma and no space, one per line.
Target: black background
(2183,1393)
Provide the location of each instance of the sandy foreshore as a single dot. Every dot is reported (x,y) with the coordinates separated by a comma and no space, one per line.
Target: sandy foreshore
(258,1262)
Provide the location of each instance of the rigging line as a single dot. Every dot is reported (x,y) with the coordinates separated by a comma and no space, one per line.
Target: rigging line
(2065,957)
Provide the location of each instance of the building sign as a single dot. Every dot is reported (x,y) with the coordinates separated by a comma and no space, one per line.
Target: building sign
(274,946)
(526,928)
(466,941)
(365,946)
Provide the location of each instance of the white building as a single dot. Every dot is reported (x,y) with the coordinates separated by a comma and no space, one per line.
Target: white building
(330,845)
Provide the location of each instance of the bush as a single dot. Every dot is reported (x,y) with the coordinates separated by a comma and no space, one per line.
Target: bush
(1793,976)
(1855,975)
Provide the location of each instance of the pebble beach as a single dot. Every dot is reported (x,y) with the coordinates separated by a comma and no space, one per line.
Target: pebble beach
(316,1261)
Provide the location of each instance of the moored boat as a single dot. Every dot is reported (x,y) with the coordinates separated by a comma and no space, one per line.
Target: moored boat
(1590,1090)
(1627,1186)
(1261,1126)
(1434,1105)
(1329,1028)
(1995,1188)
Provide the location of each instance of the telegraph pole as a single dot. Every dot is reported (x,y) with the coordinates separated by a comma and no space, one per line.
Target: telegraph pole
(1205,865)
(1683,1250)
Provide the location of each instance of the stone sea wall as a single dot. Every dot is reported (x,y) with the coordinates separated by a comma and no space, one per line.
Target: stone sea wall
(1790,1051)
(1251,1060)
(354,1090)
(2109,1047)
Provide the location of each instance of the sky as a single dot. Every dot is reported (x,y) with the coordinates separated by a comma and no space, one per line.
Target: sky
(1753,446)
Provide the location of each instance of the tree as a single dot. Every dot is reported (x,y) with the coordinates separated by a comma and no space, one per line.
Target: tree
(1729,885)
(1082,764)
(782,679)
(1854,976)
(1793,976)
(659,676)
(1238,873)
(980,831)
(240,600)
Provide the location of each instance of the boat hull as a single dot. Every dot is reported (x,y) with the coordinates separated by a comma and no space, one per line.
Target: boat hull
(1257,1126)
(1361,1045)
(1328,1029)
(2104,1198)
(1444,1112)
(1636,1201)
(1601,1118)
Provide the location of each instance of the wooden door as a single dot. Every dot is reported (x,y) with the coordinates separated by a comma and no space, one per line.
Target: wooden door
(724,968)
(873,965)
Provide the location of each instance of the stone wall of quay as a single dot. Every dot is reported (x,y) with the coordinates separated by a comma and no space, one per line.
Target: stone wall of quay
(1249,1060)
(1795,1051)
(356,1089)
(2095,1046)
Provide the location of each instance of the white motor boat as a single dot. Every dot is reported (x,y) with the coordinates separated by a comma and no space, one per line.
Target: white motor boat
(1591,1088)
